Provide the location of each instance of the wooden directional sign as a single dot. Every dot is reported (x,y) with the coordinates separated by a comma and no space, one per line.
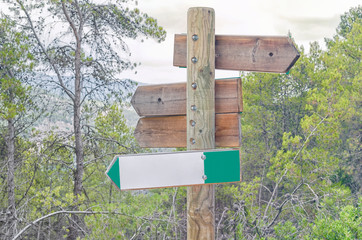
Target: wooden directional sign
(246,53)
(170,99)
(129,172)
(200,114)
(170,131)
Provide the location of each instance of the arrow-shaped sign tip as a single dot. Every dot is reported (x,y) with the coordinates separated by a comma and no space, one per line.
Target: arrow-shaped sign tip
(113,173)
(135,99)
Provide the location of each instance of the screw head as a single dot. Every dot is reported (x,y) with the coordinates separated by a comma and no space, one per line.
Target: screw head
(204,177)
(195,37)
(194,60)
(192,123)
(203,157)
(193,107)
(192,140)
(194,85)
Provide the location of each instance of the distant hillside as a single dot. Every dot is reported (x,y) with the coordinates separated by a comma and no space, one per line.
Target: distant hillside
(60,119)
(131,116)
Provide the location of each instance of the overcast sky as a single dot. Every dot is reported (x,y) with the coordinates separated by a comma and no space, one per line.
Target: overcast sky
(307,20)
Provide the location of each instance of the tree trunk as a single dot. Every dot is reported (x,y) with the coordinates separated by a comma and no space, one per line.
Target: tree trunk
(79,154)
(79,171)
(77,222)
(11,213)
(79,151)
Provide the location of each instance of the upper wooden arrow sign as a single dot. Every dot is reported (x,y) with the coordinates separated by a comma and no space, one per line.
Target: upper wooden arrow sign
(246,53)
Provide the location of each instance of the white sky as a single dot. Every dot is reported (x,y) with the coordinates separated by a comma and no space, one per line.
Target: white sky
(307,20)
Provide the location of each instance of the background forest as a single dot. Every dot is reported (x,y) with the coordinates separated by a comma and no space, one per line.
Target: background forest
(62,119)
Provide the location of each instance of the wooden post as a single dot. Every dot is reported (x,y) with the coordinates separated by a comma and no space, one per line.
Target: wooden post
(200,115)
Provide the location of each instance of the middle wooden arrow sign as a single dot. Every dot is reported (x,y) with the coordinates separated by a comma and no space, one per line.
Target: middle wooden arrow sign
(170,99)
(163,108)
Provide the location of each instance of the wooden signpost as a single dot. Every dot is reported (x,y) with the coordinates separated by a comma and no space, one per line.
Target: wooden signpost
(200,114)
(200,109)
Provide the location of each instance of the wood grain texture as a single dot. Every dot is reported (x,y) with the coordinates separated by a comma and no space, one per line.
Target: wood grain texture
(170,131)
(201,22)
(201,135)
(170,99)
(246,53)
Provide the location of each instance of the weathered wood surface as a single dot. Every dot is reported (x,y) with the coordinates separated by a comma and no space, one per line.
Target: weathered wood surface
(246,53)
(201,135)
(170,99)
(170,131)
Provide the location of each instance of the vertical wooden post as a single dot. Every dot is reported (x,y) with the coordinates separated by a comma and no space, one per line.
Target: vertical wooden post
(200,115)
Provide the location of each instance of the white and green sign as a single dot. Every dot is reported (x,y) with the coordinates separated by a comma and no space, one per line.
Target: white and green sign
(130,172)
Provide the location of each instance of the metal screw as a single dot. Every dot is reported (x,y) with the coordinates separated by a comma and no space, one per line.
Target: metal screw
(203,157)
(194,60)
(192,141)
(193,123)
(194,85)
(193,107)
(204,177)
(195,37)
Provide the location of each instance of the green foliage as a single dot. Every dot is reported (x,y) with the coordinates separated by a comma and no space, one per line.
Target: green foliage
(285,231)
(83,44)
(15,59)
(348,20)
(346,224)
(300,156)
(111,125)
(300,139)
(102,29)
